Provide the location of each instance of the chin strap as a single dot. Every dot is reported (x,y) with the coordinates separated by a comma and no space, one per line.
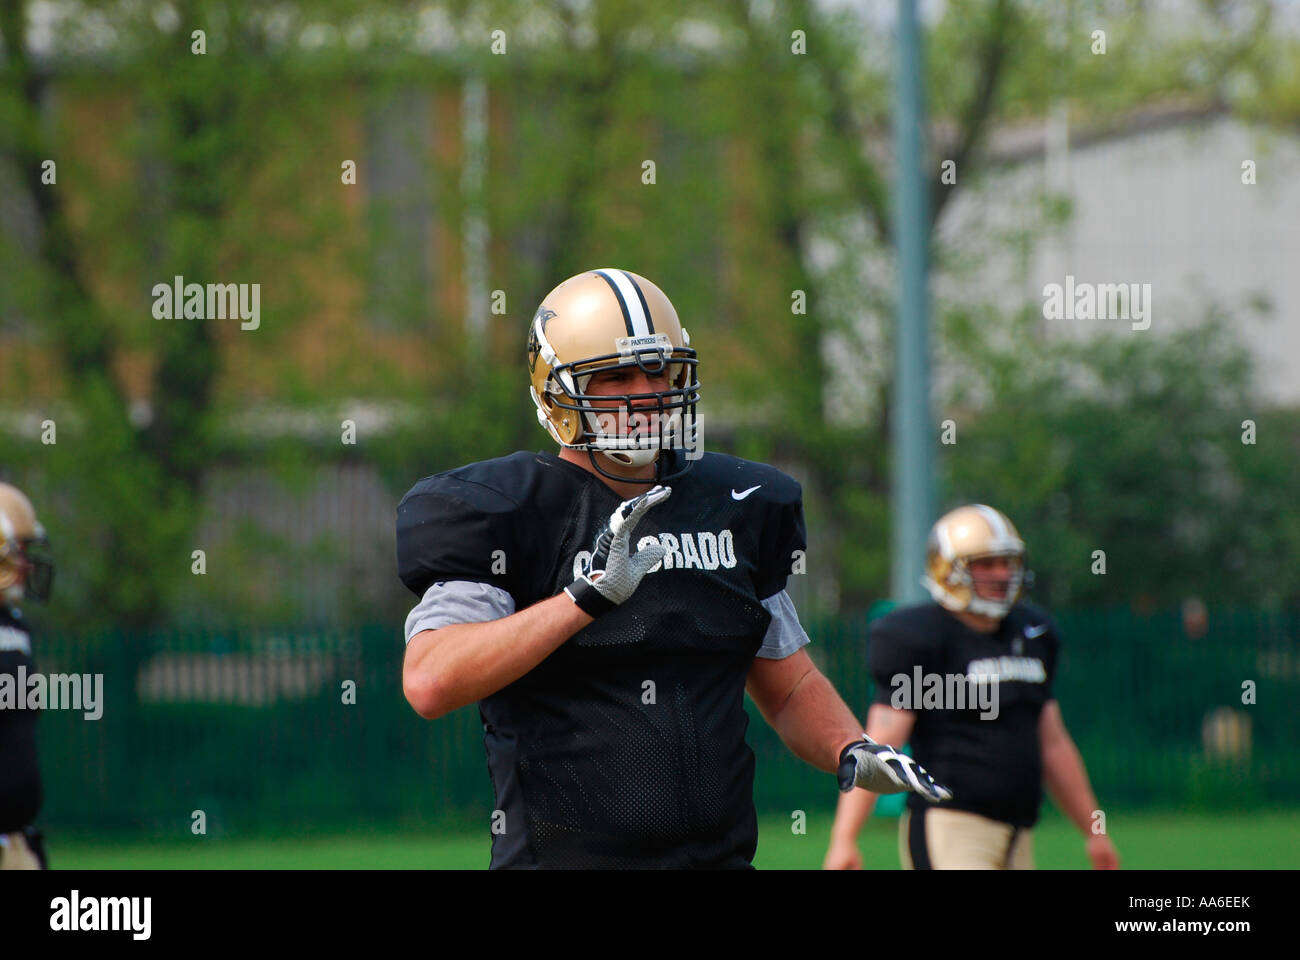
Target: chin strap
(656,478)
(989,608)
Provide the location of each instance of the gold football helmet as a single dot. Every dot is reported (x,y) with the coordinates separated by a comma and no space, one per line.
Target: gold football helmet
(965,534)
(26,568)
(602,320)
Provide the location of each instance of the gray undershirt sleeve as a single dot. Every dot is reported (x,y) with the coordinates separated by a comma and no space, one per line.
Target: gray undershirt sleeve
(458,601)
(463,601)
(785,635)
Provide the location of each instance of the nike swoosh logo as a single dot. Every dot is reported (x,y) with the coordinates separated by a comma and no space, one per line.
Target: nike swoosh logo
(1037,631)
(744,493)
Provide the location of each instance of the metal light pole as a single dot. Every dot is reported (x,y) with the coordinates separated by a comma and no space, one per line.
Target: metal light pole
(911,424)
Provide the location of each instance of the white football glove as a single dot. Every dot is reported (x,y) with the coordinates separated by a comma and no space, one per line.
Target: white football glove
(880,768)
(612,575)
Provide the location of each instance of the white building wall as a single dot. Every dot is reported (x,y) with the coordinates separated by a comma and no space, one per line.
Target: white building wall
(1166,207)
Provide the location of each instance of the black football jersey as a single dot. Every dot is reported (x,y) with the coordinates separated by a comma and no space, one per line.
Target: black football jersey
(992,764)
(626,746)
(20,779)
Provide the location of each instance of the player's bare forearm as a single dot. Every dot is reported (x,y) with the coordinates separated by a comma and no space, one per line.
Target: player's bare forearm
(812,720)
(853,810)
(1066,780)
(462,663)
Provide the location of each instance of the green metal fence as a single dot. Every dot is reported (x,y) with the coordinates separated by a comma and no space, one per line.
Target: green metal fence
(299,732)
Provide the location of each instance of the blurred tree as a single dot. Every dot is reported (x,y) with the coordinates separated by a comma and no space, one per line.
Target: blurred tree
(768,221)
(823,119)
(199,130)
(1138,448)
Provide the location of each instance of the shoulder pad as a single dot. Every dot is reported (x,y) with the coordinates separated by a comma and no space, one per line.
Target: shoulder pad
(1029,614)
(770,485)
(915,623)
(459,525)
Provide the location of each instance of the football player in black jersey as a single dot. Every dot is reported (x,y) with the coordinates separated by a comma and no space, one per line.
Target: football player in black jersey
(25,572)
(609,606)
(968,680)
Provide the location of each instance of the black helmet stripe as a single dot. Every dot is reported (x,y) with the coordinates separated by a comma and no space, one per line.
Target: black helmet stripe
(645,309)
(622,303)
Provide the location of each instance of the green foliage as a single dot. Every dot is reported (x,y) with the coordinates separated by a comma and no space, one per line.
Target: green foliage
(1133,445)
(772,175)
(206,139)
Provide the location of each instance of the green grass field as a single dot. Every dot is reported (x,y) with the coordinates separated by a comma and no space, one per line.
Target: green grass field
(1150,841)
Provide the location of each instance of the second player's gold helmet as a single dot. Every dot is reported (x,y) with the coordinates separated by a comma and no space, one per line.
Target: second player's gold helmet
(602,320)
(965,534)
(25,565)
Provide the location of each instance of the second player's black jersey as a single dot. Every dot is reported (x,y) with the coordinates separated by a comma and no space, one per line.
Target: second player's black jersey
(20,779)
(984,748)
(626,746)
